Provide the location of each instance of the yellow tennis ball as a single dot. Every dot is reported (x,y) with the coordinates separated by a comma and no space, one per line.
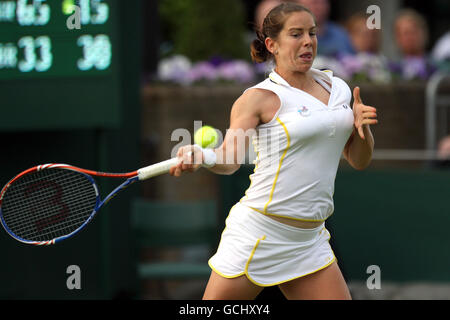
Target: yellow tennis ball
(206,137)
(68,6)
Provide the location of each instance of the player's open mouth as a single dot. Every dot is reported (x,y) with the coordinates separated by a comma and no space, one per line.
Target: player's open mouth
(306,56)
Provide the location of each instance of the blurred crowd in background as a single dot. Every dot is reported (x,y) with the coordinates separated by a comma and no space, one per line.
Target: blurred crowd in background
(205,41)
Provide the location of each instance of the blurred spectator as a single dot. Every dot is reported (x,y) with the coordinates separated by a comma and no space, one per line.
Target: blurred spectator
(262,9)
(333,39)
(411,35)
(368,63)
(363,39)
(441,50)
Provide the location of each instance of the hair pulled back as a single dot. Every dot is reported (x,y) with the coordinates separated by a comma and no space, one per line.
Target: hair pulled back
(271,28)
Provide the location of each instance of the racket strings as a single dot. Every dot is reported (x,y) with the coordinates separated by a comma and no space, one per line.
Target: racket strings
(47,204)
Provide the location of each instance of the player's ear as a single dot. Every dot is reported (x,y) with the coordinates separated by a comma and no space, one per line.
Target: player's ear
(271,45)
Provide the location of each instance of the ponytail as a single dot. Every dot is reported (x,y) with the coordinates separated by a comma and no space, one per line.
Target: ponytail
(258,50)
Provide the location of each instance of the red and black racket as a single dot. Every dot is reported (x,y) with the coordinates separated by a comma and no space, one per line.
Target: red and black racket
(52,202)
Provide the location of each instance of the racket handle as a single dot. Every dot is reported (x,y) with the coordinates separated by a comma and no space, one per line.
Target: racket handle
(158,168)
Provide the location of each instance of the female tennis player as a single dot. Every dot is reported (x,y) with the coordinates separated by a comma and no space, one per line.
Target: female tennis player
(276,235)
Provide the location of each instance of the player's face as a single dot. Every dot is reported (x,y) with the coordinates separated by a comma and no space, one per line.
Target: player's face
(296,46)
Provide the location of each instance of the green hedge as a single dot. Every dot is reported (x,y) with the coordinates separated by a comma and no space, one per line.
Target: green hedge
(201,29)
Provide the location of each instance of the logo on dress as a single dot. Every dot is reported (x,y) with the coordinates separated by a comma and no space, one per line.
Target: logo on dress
(304,111)
(345,106)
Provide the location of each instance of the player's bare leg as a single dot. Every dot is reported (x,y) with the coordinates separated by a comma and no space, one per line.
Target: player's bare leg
(239,288)
(325,284)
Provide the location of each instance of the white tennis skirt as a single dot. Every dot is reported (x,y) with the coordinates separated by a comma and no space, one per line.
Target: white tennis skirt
(269,252)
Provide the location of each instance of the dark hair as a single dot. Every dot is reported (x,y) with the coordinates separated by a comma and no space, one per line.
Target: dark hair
(271,28)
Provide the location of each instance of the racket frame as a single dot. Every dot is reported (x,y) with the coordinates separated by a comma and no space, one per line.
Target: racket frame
(131,177)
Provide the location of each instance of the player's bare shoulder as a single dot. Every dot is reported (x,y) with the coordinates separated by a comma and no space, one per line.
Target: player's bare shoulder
(258,102)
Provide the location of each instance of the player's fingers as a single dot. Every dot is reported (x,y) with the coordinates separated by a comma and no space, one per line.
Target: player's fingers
(172,170)
(187,157)
(369,109)
(177,171)
(199,158)
(183,151)
(196,156)
(356,95)
(361,133)
(369,121)
(190,160)
(180,152)
(367,115)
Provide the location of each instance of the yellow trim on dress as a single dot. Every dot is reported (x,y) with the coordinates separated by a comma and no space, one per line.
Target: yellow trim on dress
(279,165)
(287,217)
(224,275)
(253,252)
(296,277)
(271,78)
(250,176)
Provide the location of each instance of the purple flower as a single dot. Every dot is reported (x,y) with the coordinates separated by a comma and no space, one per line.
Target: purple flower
(202,71)
(352,63)
(410,68)
(236,70)
(216,61)
(174,68)
(415,68)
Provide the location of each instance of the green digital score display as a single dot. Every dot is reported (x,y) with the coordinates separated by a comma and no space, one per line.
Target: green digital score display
(59,64)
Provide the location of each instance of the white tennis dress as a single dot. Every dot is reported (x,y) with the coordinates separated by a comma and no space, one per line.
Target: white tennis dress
(298,154)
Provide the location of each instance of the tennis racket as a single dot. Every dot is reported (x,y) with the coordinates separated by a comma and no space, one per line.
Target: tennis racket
(52,202)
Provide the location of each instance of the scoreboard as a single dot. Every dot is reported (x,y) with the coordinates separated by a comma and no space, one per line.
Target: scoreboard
(59,64)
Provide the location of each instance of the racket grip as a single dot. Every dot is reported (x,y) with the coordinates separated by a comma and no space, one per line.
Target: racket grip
(158,168)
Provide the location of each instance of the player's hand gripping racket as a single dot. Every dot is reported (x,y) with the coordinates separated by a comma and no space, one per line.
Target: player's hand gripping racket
(49,203)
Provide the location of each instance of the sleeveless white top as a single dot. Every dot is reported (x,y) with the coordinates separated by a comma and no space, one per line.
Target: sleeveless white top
(298,151)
